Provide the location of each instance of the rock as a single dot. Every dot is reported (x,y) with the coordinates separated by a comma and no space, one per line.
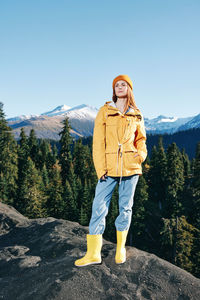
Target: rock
(37,263)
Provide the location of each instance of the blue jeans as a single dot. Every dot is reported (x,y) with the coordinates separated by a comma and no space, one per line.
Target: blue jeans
(101,203)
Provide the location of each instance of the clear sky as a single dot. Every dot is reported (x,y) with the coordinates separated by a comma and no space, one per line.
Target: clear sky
(68,52)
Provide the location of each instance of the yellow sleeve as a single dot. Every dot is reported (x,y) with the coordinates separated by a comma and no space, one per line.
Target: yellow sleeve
(99,144)
(140,140)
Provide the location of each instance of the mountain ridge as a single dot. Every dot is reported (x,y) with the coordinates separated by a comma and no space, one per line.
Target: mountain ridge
(82,118)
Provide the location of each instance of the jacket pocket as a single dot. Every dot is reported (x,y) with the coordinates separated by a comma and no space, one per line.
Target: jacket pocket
(130,161)
(111,161)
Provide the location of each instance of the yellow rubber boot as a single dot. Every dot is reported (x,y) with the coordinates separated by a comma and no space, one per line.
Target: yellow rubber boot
(93,254)
(120,256)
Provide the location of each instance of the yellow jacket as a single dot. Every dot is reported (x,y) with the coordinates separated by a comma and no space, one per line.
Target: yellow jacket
(117,138)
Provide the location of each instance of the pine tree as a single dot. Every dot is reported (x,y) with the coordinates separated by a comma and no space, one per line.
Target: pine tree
(79,160)
(8,161)
(44,150)
(23,154)
(138,229)
(91,194)
(162,160)
(82,161)
(186,163)
(52,157)
(174,182)
(45,178)
(84,216)
(192,202)
(55,205)
(31,199)
(33,148)
(153,175)
(181,233)
(79,188)
(174,190)
(196,190)
(195,253)
(70,203)
(186,195)
(157,175)
(156,190)
(65,157)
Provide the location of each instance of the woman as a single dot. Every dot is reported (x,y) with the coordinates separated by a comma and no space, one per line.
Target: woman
(119,148)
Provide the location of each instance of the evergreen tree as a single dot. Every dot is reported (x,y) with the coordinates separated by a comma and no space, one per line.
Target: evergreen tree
(70,203)
(91,195)
(195,253)
(186,195)
(23,154)
(85,212)
(31,199)
(186,163)
(65,157)
(153,174)
(33,148)
(146,168)
(157,175)
(8,161)
(52,157)
(79,160)
(138,229)
(82,161)
(193,207)
(174,182)
(181,233)
(156,179)
(45,178)
(44,150)
(174,190)
(196,188)
(79,188)
(162,160)
(55,205)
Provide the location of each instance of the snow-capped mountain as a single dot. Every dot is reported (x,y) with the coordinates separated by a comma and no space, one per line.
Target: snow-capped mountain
(82,111)
(193,123)
(163,124)
(59,110)
(49,124)
(22,117)
(78,112)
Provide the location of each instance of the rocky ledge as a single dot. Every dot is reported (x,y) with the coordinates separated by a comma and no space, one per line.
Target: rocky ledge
(37,263)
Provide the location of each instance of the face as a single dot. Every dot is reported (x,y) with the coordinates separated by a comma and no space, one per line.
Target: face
(121,88)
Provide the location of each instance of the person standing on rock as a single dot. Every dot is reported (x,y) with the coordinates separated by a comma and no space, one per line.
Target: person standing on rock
(119,148)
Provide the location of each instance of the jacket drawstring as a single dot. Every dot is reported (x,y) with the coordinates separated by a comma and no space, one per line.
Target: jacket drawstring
(121,167)
(119,152)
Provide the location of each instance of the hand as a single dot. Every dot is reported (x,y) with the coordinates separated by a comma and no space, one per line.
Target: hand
(139,157)
(104,177)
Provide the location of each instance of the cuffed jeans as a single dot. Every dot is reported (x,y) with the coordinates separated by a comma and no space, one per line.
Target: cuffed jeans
(101,203)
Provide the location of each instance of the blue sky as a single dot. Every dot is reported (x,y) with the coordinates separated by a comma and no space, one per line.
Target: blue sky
(68,52)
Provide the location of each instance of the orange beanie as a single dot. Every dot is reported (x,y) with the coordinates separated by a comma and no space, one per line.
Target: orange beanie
(125,78)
